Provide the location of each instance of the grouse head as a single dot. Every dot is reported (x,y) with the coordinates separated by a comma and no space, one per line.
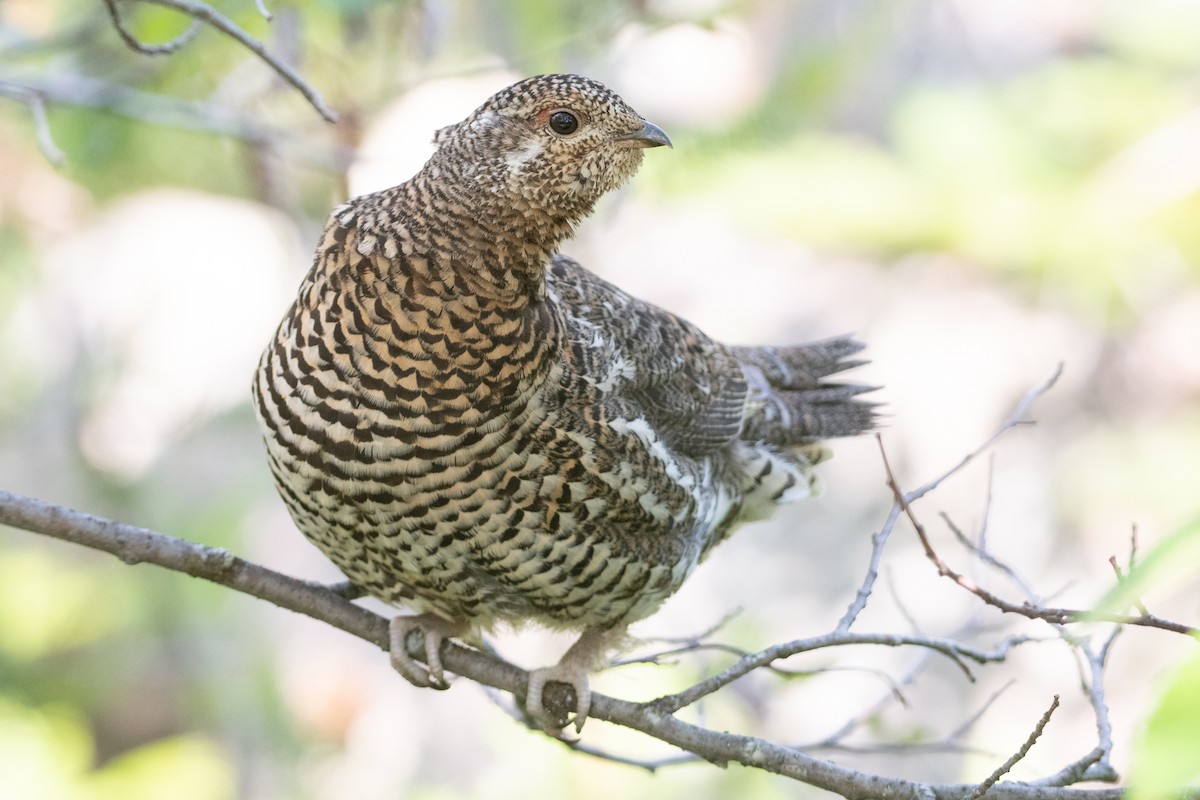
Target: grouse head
(548,146)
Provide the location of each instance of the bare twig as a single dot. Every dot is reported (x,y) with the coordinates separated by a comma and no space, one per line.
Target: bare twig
(896,694)
(1137,601)
(1094,765)
(135,44)
(262,9)
(81,90)
(1096,660)
(651,766)
(1084,769)
(880,538)
(901,608)
(1003,769)
(203,13)
(1015,419)
(665,657)
(41,125)
(986,517)
(981,552)
(1057,616)
(957,652)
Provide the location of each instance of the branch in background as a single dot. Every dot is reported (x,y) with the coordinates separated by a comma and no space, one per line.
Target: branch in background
(1056,616)
(87,92)
(1094,765)
(204,13)
(135,545)
(1003,769)
(37,108)
(1121,578)
(880,538)
(955,651)
(951,742)
(164,49)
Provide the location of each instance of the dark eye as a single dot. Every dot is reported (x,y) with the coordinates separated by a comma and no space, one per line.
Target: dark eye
(564,123)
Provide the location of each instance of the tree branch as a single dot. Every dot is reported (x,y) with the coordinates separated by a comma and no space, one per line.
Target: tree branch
(37,108)
(1003,769)
(135,44)
(204,13)
(81,90)
(135,545)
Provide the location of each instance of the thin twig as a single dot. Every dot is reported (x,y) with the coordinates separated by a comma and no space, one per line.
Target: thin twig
(970,722)
(1096,662)
(1015,419)
(901,607)
(985,520)
(1095,764)
(630,761)
(1083,769)
(880,538)
(696,637)
(41,125)
(980,551)
(82,90)
(202,12)
(659,658)
(138,46)
(902,749)
(955,651)
(834,740)
(1003,769)
(1121,579)
(872,709)
(1058,616)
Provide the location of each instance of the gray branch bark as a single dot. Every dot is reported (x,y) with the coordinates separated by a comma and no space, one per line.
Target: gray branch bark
(135,545)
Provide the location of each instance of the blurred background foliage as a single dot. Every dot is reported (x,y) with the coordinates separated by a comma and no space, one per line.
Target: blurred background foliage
(980,189)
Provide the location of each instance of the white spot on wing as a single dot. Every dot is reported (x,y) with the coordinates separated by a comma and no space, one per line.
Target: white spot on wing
(620,369)
(641,429)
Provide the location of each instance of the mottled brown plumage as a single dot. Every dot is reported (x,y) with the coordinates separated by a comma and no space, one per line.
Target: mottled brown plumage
(472,425)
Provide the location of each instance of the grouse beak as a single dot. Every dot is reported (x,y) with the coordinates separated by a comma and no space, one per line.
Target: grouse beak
(649,135)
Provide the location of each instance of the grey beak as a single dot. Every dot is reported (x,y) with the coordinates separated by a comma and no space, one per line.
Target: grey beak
(649,135)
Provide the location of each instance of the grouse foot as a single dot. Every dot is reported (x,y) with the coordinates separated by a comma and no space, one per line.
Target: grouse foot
(434,630)
(572,674)
(586,654)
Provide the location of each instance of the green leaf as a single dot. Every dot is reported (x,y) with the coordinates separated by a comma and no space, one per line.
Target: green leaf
(1165,760)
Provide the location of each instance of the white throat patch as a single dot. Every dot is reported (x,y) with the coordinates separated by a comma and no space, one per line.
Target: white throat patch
(519,158)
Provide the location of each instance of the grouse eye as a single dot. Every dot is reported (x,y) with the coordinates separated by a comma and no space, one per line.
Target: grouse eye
(564,123)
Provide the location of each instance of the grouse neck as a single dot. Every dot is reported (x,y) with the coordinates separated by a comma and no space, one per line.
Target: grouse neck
(468,238)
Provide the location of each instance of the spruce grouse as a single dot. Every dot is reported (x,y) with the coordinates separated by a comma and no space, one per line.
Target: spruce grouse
(472,425)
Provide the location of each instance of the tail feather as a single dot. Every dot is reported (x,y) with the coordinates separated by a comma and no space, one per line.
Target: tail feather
(791,404)
(802,366)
